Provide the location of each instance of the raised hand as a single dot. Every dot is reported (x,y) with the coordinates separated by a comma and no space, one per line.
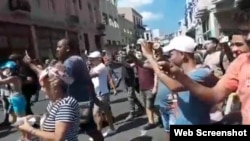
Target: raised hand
(170,68)
(27,59)
(146,47)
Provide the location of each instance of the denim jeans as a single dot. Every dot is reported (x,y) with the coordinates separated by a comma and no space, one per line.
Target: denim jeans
(168,118)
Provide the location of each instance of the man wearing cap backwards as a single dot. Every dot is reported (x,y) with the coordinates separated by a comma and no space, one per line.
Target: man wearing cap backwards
(100,74)
(190,110)
(81,89)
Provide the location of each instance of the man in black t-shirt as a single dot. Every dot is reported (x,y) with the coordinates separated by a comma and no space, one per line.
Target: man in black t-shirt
(130,80)
(30,83)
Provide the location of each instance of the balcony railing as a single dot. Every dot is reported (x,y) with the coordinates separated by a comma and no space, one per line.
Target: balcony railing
(22,6)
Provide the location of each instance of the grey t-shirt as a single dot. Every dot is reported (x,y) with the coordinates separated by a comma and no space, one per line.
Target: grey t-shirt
(118,73)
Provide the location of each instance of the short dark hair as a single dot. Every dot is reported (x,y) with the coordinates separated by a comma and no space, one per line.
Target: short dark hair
(240,32)
(214,40)
(70,43)
(243,33)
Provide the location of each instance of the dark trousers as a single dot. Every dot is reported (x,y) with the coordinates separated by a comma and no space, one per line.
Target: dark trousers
(133,100)
(28,105)
(6,105)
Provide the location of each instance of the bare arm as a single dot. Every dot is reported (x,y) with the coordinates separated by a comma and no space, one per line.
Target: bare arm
(64,120)
(155,88)
(111,82)
(226,85)
(215,94)
(93,74)
(40,66)
(7,80)
(36,69)
(197,89)
(58,135)
(155,81)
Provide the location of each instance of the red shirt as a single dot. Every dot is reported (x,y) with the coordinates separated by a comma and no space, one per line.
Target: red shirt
(237,78)
(146,78)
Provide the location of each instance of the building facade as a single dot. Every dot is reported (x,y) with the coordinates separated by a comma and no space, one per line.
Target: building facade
(190,21)
(136,18)
(148,35)
(221,17)
(37,25)
(156,33)
(126,29)
(110,18)
(215,18)
(209,18)
(182,28)
(152,34)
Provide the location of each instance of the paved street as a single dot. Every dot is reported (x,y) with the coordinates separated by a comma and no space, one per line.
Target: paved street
(129,131)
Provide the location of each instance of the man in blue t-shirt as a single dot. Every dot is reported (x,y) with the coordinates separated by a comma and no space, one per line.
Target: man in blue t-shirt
(82,89)
(190,109)
(163,102)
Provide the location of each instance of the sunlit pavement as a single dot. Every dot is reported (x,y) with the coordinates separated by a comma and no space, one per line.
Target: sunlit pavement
(126,131)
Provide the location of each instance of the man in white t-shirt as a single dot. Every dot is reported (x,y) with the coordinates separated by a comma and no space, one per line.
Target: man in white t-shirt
(100,79)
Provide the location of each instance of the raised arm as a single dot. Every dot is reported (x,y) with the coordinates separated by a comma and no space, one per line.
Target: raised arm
(226,85)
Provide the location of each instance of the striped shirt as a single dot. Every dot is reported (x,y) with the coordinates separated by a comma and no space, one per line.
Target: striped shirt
(65,110)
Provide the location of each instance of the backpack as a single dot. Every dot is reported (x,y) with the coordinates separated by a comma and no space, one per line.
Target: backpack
(117,79)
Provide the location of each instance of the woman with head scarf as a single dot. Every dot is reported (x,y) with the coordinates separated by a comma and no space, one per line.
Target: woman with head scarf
(62,119)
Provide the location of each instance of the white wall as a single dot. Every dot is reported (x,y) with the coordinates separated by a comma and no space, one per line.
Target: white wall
(156,33)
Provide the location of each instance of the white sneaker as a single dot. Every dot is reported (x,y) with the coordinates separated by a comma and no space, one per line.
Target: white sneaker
(216,116)
(108,133)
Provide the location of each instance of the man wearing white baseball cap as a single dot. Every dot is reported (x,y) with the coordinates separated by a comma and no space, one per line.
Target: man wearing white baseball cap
(100,74)
(181,43)
(191,110)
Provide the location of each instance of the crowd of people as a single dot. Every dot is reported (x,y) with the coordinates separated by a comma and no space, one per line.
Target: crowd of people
(79,88)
